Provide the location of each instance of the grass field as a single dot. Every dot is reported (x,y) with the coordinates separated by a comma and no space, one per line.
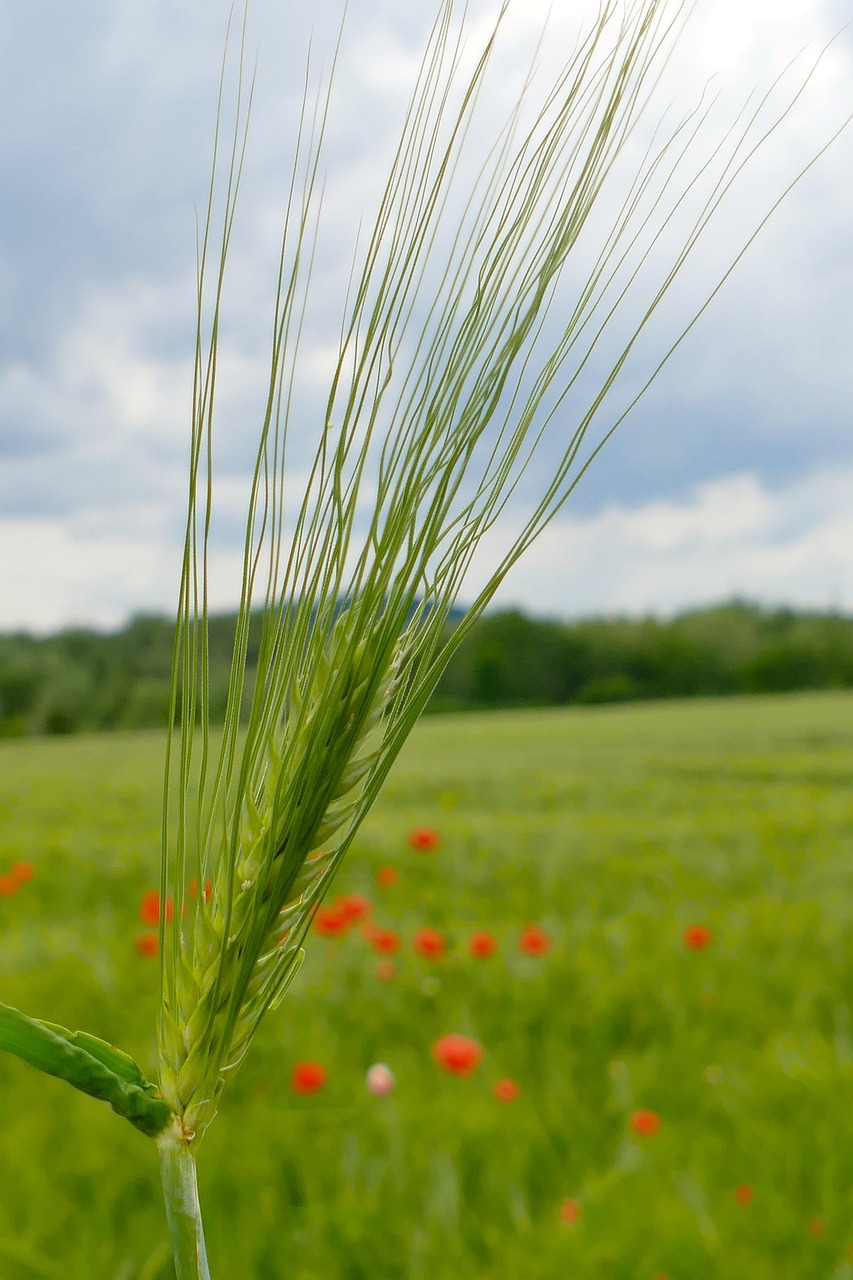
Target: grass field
(611,829)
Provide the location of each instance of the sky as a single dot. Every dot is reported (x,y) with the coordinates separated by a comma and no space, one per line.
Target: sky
(733,476)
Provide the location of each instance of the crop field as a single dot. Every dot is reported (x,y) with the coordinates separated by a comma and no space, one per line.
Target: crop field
(659,902)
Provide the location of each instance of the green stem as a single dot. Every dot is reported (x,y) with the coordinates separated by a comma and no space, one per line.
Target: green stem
(180,1191)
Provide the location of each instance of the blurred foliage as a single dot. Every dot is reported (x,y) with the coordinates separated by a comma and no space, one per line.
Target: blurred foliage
(84,680)
(511,660)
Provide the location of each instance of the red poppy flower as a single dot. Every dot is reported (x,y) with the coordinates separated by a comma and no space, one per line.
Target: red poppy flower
(429,943)
(697,937)
(146,944)
(386,970)
(8,886)
(817,1226)
(506,1090)
(482,944)
(149,909)
(645,1123)
(744,1194)
(424,839)
(353,907)
(386,877)
(384,941)
(192,889)
(570,1212)
(534,941)
(308,1077)
(330,922)
(458,1055)
(22,871)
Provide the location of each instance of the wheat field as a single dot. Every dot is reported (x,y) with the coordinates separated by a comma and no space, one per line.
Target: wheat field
(662,1009)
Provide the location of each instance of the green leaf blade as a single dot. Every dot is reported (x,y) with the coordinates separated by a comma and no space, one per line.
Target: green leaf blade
(90,1065)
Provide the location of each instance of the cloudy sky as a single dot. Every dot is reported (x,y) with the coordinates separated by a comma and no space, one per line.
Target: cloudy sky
(734,474)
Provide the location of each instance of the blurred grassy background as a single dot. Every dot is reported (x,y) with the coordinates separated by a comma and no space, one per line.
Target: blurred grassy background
(612,828)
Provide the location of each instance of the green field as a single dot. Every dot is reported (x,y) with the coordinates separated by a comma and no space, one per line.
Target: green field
(613,829)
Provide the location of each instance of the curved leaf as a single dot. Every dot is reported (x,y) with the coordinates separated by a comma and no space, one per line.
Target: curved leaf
(91,1065)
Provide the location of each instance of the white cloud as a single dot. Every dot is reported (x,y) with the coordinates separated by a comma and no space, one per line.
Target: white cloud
(732,537)
(58,572)
(735,536)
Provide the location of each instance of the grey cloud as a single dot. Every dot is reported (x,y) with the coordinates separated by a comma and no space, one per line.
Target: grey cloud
(108,109)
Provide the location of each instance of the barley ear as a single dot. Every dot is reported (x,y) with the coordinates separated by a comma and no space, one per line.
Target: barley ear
(475,364)
(292,827)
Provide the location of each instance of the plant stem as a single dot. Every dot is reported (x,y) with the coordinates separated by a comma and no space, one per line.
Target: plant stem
(180,1192)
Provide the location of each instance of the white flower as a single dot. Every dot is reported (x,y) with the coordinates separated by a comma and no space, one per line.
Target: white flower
(379,1079)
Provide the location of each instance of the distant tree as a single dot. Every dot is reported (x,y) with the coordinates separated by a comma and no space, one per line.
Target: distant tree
(83,679)
(491,678)
(18,687)
(783,666)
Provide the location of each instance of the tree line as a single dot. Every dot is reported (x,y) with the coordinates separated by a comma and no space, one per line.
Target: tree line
(81,679)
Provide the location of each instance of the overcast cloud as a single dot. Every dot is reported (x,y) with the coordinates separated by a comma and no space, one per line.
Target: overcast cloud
(734,475)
